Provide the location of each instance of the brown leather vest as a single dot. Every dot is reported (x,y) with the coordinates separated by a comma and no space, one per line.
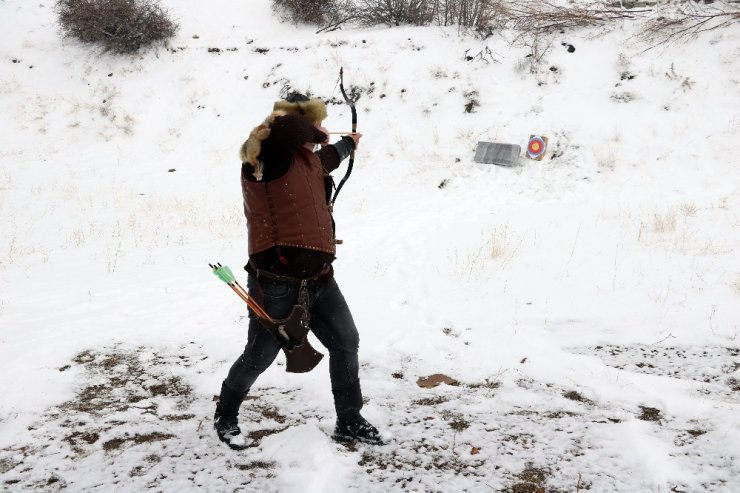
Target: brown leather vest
(292,210)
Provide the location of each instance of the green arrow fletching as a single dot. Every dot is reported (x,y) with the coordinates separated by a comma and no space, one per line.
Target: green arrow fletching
(224,273)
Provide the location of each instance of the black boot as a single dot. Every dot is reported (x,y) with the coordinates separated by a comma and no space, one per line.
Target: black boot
(351,426)
(358,430)
(226,418)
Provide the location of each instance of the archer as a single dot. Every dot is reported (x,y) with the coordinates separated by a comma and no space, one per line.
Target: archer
(288,205)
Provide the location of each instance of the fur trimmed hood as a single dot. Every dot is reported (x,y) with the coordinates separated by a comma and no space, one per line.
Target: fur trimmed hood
(314,110)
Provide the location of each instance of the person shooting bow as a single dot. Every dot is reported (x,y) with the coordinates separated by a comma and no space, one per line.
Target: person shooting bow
(287,190)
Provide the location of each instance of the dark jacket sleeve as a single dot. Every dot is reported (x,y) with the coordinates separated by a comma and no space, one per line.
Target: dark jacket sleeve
(332,155)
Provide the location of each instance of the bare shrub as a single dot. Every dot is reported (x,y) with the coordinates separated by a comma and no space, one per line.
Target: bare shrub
(685,20)
(329,14)
(301,11)
(664,21)
(482,15)
(538,47)
(120,26)
(396,12)
(337,13)
(485,16)
(538,17)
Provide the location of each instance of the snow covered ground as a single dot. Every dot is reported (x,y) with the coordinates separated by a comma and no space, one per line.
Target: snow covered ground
(587,306)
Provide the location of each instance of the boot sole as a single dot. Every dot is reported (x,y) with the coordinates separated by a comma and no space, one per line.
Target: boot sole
(232,446)
(346,439)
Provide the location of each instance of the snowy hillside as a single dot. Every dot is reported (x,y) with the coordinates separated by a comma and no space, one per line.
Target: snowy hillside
(587,306)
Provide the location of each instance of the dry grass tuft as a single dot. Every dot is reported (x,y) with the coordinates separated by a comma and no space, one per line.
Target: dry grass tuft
(689,209)
(500,246)
(664,223)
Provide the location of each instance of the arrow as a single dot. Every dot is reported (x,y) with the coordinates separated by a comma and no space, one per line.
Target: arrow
(292,332)
(224,273)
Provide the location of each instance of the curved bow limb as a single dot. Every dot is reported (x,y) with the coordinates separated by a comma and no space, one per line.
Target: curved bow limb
(354,130)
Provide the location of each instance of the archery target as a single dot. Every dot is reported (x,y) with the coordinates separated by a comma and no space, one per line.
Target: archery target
(536,147)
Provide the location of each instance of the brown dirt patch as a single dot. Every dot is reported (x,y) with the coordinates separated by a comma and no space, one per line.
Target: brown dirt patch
(258,435)
(137,439)
(258,464)
(531,480)
(430,401)
(576,396)
(435,380)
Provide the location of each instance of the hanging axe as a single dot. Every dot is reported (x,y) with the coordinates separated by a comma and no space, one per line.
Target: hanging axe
(291,332)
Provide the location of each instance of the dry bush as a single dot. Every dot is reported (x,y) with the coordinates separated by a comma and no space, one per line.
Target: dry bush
(120,26)
(395,12)
(684,20)
(301,11)
(664,21)
(485,16)
(534,61)
(330,14)
(539,17)
(482,15)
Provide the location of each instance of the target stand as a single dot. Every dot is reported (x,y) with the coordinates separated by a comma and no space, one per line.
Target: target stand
(536,147)
(497,153)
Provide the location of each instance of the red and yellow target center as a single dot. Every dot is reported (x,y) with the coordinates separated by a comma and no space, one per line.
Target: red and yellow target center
(535,147)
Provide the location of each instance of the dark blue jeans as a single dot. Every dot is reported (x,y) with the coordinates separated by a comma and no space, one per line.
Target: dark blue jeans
(332,324)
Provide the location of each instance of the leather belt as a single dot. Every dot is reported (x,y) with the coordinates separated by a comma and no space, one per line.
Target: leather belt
(325,274)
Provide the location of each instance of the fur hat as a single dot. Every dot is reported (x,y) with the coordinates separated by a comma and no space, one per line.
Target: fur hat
(296,103)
